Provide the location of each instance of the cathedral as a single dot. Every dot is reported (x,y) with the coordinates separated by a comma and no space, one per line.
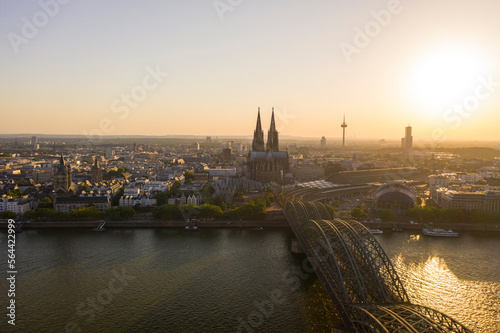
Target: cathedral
(265,162)
(63,184)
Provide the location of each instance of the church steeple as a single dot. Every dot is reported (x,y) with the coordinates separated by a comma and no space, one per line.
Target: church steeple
(272,136)
(273,125)
(258,128)
(258,136)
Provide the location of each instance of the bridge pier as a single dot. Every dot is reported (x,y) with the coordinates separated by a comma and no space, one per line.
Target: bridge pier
(296,246)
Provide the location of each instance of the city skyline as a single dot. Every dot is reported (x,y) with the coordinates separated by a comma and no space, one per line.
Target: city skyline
(205,69)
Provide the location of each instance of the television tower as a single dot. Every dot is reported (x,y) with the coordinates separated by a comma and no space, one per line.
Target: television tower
(343,125)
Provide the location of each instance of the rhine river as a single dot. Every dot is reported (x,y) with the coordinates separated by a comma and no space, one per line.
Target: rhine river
(224,280)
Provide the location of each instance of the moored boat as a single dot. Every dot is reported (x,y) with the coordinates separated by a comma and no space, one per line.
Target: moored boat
(376,231)
(436,232)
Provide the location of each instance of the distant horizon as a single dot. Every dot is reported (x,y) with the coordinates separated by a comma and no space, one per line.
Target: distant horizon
(287,138)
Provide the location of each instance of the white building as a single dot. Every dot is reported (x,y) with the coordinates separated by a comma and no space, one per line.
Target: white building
(18,206)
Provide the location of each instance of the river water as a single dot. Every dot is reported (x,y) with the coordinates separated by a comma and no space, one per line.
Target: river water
(224,280)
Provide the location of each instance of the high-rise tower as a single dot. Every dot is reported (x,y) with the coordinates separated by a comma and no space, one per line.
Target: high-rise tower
(258,136)
(407,141)
(272,136)
(343,125)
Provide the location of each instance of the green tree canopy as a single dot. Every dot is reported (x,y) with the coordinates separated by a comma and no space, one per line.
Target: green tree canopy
(8,214)
(358,213)
(386,215)
(46,203)
(120,213)
(167,212)
(331,211)
(253,210)
(115,201)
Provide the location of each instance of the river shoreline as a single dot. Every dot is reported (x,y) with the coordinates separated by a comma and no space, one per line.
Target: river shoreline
(151,224)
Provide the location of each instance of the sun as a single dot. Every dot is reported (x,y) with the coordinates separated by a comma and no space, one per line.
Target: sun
(446,76)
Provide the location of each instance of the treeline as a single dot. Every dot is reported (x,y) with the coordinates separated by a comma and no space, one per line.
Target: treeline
(253,210)
(88,213)
(450,215)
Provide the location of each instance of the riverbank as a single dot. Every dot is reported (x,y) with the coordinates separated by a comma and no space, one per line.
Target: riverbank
(454,227)
(152,224)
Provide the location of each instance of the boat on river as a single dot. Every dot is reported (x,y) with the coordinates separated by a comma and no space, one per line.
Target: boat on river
(436,232)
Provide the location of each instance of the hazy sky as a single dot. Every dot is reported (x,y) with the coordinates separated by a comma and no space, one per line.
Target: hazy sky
(203,67)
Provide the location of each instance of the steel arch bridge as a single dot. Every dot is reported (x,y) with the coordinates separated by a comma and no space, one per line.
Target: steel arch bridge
(358,275)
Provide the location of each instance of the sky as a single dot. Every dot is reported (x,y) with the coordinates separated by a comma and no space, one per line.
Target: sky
(204,67)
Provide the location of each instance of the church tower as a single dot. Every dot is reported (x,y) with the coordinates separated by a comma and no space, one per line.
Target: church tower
(272,136)
(63,184)
(258,136)
(96,176)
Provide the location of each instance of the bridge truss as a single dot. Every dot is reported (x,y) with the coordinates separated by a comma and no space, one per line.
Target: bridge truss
(358,275)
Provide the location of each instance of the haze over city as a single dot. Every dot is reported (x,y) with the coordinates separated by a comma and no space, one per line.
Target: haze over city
(203,68)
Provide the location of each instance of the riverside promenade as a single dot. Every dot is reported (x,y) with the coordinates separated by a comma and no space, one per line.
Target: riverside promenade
(151,223)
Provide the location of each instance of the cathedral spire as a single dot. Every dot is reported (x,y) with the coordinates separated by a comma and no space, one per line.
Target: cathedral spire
(61,160)
(272,136)
(273,125)
(259,126)
(258,136)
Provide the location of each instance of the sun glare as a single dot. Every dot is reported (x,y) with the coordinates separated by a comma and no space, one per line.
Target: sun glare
(446,76)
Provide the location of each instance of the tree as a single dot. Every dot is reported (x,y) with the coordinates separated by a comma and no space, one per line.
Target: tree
(336,203)
(189,177)
(419,201)
(269,198)
(208,189)
(117,172)
(218,201)
(29,190)
(253,210)
(330,210)
(358,213)
(46,203)
(115,201)
(22,182)
(31,214)
(386,215)
(167,212)
(120,213)
(161,198)
(8,214)
(84,214)
(174,189)
(15,193)
(210,211)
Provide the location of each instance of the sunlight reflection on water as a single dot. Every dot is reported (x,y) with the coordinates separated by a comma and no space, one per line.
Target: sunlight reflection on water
(433,284)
